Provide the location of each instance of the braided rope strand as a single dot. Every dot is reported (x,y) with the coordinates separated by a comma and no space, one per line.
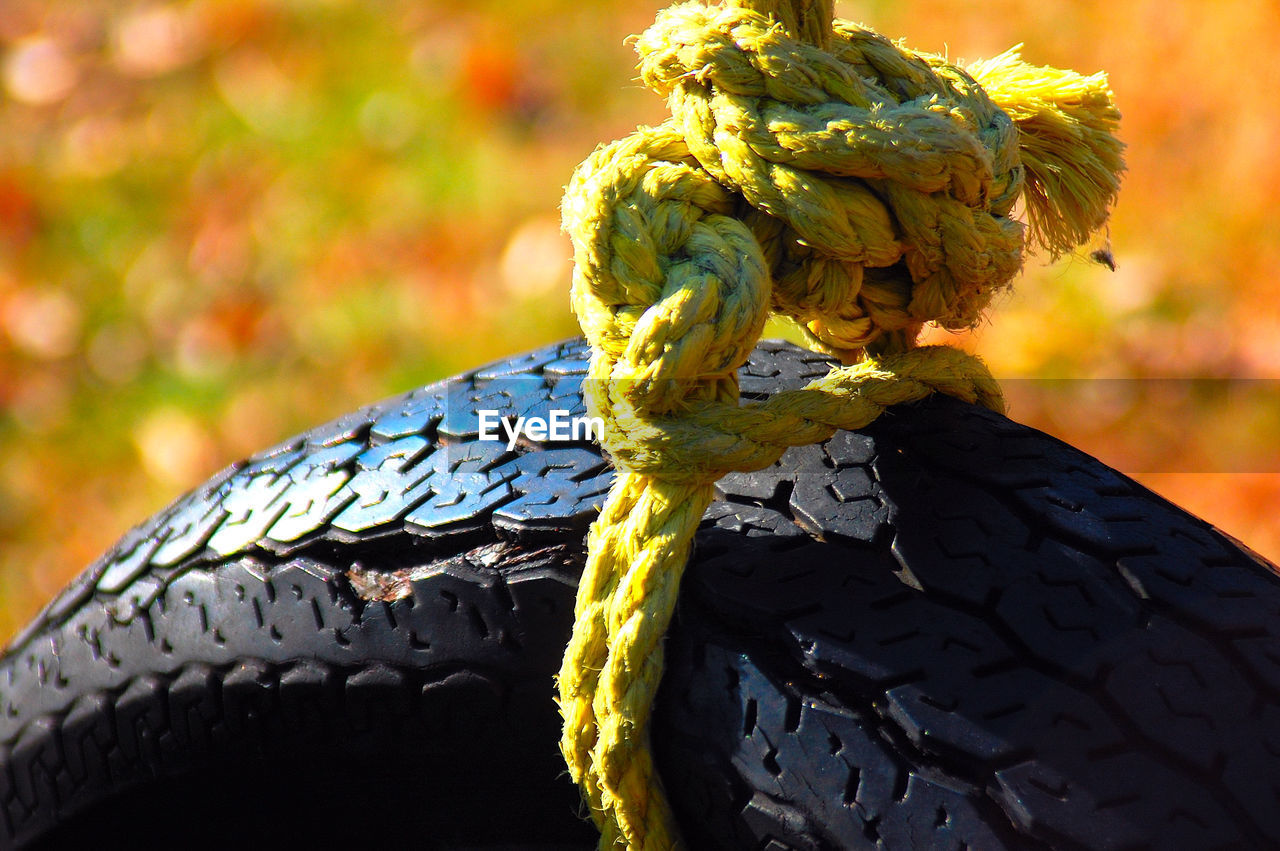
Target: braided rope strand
(817,171)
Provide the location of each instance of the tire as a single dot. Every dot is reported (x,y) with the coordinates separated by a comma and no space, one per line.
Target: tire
(945,631)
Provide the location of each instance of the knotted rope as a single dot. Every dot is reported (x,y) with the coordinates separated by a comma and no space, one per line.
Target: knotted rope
(820,172)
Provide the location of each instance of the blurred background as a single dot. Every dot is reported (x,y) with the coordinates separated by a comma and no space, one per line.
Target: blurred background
(223,221)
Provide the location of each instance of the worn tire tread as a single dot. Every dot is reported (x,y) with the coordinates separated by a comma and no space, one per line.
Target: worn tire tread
(945,631)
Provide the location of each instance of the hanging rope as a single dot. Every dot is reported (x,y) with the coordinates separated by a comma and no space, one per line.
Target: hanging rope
(819,172)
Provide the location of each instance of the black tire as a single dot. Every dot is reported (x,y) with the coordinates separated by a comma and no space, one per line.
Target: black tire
(945,631)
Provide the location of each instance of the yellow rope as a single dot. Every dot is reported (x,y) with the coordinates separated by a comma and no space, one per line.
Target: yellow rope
(814,170)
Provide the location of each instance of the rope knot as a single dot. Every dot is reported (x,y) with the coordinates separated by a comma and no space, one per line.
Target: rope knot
(864,155)
(820,172)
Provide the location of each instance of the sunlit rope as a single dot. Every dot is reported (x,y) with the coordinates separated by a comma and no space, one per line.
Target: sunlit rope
(817,171)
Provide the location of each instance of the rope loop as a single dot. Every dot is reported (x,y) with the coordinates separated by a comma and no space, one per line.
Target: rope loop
(812,170)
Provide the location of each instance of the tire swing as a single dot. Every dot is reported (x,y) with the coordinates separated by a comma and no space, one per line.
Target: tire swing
(812,598)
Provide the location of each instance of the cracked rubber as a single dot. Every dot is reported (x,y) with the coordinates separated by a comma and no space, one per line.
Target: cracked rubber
(946,631)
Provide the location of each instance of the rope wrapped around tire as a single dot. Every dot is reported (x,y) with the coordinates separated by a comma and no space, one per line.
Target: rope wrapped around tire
(944,630)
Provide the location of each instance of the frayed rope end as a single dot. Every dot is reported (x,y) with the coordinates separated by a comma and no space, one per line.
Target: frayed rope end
(1073,160)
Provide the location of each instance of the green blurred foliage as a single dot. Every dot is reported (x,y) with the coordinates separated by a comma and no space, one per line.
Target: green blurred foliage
(222,221)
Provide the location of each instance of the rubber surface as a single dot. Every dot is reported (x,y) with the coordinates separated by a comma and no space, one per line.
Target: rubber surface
(946,631)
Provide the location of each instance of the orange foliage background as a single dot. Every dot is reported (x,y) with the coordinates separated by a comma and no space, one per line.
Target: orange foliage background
(222,221)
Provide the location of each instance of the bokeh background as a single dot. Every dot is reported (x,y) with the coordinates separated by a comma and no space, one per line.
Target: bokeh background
(222,221)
